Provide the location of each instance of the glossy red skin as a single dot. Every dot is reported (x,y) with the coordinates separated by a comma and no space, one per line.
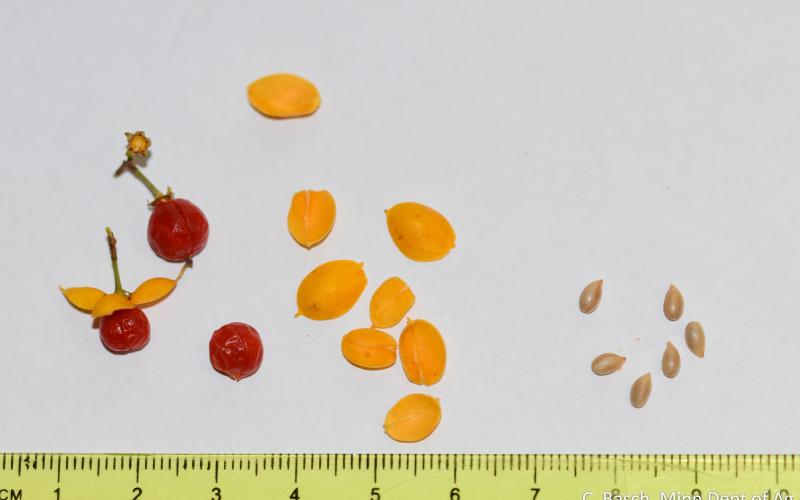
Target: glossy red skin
(235,350)
(125,330)
(178,230)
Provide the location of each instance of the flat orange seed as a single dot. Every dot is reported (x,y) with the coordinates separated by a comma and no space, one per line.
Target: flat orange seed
(283,95)
(369,348)
(422,352)
(311,216)
(420,232)
(390,302)
(413,418)
(331,289)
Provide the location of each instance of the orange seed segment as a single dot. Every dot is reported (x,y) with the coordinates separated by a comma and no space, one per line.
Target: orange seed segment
(413,418)
(283,95)
(422,352)
(390,302)
(420,232)
(331,289)
(311,216)
(369,348)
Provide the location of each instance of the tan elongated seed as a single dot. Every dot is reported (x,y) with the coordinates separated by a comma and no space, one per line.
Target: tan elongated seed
(640,390)
(673,304)
(671,361)
(607,363)
(590,296)
(695,338)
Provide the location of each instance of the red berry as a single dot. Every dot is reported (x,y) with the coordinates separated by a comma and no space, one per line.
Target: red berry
(178,230)
(236,350)
(125,330)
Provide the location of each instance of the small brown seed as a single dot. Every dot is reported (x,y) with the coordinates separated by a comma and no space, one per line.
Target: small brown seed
(695,338)
(673,304)
(671,361)
(607,363)
(590,296)
(640,390)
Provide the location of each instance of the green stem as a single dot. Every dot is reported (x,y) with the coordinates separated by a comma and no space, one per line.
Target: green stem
(112,246)
(139,175)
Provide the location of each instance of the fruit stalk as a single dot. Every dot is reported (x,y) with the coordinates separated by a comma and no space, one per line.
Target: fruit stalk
(129,165)
(112,247)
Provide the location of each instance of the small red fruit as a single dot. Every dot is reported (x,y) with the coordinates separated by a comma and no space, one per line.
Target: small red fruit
(178,230)
(235,350)
(125,330)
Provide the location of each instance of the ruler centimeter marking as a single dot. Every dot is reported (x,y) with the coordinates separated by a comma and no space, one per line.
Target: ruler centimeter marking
(25,476)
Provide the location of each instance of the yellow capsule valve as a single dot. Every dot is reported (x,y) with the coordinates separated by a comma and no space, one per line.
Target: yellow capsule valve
(420,232)
(283,95)
(422,352)
(413,418)
(83,297)
(330,290)
(390,302)
(111,303)
(311,217)
(369,348)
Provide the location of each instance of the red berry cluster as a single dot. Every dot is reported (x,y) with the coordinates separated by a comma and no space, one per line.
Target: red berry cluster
(177,231)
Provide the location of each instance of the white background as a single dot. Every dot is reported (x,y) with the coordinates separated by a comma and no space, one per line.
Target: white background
(641,142)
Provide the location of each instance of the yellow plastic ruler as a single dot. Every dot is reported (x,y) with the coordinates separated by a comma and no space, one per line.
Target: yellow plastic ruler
(29,476)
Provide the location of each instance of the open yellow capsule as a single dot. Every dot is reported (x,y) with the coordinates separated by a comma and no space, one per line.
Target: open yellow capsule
(369,348)
(311,216)
(413,418)
(422,352)
(101,304)
(390,303)
(331,289)
(420,232)
(283,95)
